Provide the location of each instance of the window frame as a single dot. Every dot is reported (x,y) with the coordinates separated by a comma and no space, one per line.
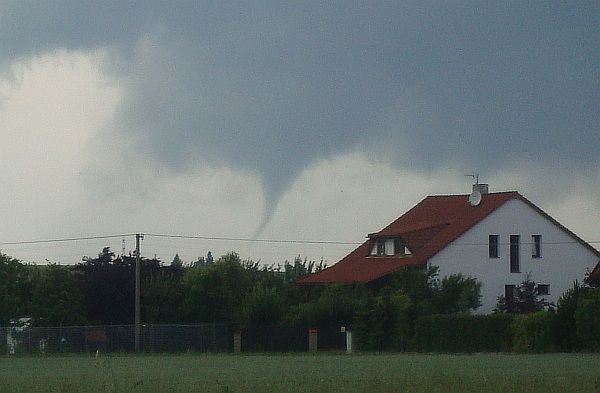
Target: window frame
(546,292)
(380,248)
(515,253)
(536,246)
(494,246)
(509,295)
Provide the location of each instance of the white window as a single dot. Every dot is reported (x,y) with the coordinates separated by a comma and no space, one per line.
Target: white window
(389,247)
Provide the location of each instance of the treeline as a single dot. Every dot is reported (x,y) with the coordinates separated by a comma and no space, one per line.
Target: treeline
(414,309)
(100,290)
(241,294)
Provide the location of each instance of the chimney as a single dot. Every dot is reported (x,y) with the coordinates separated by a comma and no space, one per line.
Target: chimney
(483,188)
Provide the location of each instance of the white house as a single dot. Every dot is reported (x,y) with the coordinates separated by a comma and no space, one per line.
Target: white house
(496,238)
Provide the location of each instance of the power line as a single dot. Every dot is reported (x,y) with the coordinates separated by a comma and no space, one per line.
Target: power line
(63,240)
(240,239)
(249,240)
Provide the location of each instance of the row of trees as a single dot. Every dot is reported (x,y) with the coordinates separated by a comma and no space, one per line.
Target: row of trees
(247,295)
(241,294)
(99,290)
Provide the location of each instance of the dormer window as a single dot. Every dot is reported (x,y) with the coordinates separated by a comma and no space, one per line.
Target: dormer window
(388,247)
(380,247)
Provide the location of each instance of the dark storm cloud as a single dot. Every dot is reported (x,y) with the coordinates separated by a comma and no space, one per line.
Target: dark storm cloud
(271,87)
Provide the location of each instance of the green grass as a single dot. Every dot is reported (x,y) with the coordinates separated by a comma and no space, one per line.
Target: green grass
(302,373)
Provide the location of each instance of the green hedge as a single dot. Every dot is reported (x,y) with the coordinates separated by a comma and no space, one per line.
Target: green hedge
(533,332)
(587,319)
(463,333)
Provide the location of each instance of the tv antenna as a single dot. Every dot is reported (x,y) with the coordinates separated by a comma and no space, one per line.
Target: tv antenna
(475,196)
(475,176)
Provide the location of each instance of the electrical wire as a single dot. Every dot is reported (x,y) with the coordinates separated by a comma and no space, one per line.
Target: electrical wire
(239,239)
(63,240)
(250,240)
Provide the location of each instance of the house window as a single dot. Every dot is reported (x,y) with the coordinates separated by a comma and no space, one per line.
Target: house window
(536,242)
(509,296)
(514,253)
(493,246)
(392,246)
(389,247)
(381,247)
(543,289)
(398,247)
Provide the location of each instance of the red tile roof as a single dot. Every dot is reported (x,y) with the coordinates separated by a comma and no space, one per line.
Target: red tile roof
(595,274)
(427,228)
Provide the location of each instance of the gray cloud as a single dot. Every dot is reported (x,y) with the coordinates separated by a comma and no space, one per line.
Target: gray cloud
(272,87)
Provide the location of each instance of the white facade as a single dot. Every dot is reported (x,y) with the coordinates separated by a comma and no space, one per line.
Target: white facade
(563,258)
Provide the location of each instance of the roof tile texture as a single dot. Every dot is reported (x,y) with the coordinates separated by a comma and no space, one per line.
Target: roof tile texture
(427,228)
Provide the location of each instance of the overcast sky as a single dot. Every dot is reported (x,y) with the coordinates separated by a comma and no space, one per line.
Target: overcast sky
(307,120)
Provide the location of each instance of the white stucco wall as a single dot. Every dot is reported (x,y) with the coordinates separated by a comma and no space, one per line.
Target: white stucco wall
(563,261)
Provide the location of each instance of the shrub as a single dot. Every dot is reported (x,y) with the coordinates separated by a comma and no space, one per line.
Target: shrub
(565,331)
(587,320)
(526,299)
(533,332)
(336,305)
(384,324)
(463,333)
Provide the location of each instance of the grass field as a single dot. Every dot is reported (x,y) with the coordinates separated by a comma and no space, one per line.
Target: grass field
(302,373)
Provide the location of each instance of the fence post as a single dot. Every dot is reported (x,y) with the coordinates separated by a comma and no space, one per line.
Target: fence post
(313,339)
(237,342)
(348,341)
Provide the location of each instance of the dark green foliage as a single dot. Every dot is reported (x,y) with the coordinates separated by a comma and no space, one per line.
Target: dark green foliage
(463,333)
(421,285)
(204,262)
(177,262)
(336,305)
(162,295)
(458,294)
(587,320)
(565,330)
(385,323)
(429,295)
(56,300)
(301,268)
(107,284)
(526,299)
(218,292)
(533,332)
(266,307)
(16,284)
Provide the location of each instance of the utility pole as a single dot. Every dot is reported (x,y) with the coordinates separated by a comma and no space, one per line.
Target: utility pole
(138,237)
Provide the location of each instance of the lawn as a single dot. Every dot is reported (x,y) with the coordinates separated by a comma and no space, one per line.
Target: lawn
(302,373)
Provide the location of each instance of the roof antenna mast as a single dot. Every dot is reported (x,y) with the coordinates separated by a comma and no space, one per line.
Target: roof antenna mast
(478,189)
(475,176)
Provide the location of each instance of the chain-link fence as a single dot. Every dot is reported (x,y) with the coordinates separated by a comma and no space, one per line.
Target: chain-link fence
(206,337)
(290,339)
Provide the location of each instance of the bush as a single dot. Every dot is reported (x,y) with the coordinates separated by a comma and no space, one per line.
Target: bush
(384,324)
(533,332)
(526,299)
(565,330)
(336,305)
(463,333)
(587,320)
